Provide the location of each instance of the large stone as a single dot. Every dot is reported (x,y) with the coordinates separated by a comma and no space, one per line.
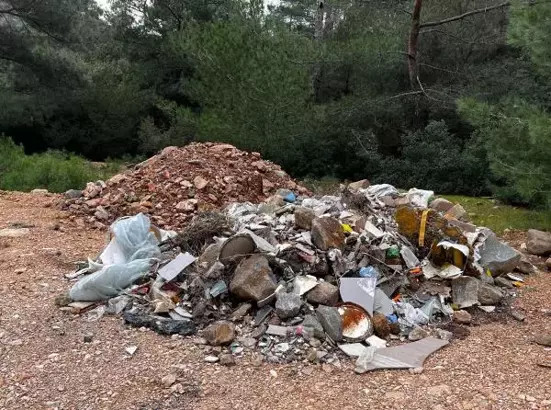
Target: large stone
(489,295)
(331,321)
(504,283)
(73,194)
(324,294)
(327,233)
(525,266)
(287,305)
(465,291)
(361,184)
(441,205)
(539,242)
(304,217)
(457,212)
(381,325)
(253,279)
(498,257)
(462,316)
(219,333)
(313,326)
(548,263)
(544,339)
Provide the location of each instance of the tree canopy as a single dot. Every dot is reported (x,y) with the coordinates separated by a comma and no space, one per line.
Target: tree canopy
(453,96)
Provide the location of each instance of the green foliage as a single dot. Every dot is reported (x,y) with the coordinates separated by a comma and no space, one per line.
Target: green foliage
(530,30)
(518,139)
(498,217)
(434,159)
(53,170)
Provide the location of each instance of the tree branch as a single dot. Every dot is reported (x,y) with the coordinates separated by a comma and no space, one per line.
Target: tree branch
(462,16)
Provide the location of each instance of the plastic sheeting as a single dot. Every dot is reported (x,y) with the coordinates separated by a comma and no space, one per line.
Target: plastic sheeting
(127,258)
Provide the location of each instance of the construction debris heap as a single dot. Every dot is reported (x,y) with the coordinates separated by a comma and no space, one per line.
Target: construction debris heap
(300,278)
(177,183)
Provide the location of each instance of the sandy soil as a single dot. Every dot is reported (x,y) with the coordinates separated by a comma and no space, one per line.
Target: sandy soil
(45,363)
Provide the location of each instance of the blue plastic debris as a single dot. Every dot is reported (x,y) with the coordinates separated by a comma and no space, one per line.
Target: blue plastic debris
(290,197)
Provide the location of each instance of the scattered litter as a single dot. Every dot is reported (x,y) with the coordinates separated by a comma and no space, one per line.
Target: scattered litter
(131,350)
(292,278)
(411,355)
(176,266)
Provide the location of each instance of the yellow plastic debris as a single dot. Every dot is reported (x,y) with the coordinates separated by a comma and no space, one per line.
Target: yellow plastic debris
(423,227)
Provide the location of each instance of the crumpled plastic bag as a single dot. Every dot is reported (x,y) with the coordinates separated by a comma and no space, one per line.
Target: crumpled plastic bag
(110,281)
(127,258)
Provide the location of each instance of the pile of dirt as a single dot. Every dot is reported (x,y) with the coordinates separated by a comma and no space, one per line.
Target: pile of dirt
(174,185)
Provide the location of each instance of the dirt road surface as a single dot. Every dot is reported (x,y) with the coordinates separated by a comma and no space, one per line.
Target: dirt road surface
(45,363)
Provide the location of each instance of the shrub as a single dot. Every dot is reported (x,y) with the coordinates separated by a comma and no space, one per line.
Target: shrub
(52,170)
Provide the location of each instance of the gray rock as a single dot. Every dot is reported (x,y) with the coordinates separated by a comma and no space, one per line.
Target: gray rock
(444,334)
(227,359)
(548,263)
(287,305)
(324,294)
(313,326)
(327,233)
(465,291)
(441,205)
(489,295)
(539,242)
(525,266)
(304,217)
(219,333)
(253,279)
(101,214)
(544,339)
(331,321)
(498,257)
(160,325)
(504,283)
(417,333)
(73,194)
(241,311)
(462,316)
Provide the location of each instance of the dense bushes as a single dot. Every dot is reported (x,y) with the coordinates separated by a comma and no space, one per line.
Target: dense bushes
(53,170)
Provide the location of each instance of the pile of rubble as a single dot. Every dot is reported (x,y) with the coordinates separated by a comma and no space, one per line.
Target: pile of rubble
(308,279)
(178,182)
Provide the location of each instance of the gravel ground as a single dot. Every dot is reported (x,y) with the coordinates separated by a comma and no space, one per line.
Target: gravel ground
(45,362)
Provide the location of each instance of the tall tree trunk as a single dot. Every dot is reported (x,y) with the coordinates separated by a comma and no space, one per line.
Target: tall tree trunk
(412,44)
(318,37)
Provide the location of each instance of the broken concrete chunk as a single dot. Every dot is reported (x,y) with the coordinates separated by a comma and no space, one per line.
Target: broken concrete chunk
(327,233)
(457,212)
(353,349)
(441,205)
(489,295)
(275,330)
(312,325)
(219,333)
(331,321)
(304,217)
(324,294)
(376,342)
(538,242)
(361,184)
(498,257)
(253,279)
(465,291)
(287,305)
